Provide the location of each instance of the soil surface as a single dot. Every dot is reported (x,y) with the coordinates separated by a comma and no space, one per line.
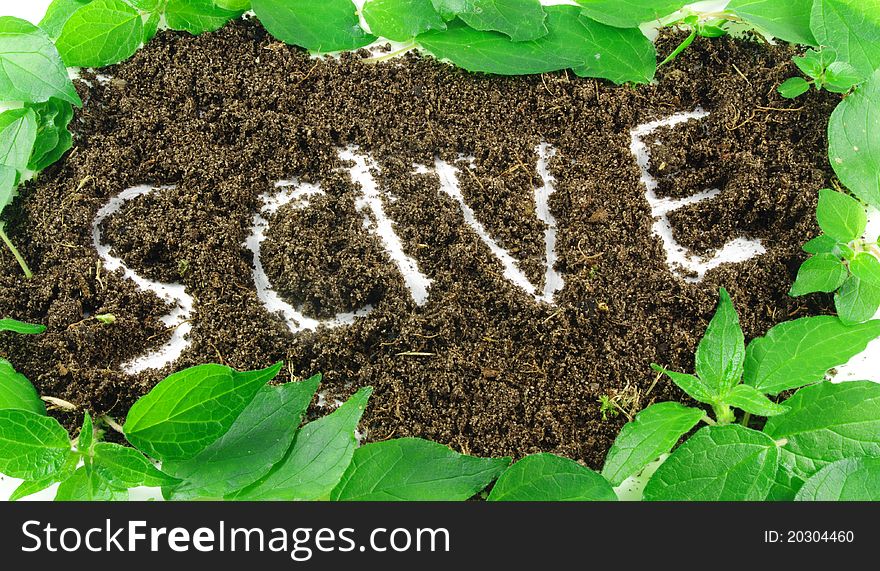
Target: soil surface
(223,116)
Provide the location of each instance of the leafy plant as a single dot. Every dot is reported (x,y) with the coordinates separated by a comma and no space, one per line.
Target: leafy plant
(789,21)
(629,13)
(851,29)
(201,423)
(823,422)
(223,434)
(415,469)
(824,71)
(327,26)
(699,26)
(573,41)
(402,20)
(842,260)
(547,477)
(99,33)
(854,141)
(8,324)
(95,33)
(850,479)
(521,20)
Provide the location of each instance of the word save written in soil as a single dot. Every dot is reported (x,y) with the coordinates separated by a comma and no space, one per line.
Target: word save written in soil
(296,195)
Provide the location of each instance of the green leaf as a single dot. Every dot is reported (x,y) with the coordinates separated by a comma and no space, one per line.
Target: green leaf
(814,63)
(619,55)
(19,326)
(852,29)
(233,462)
(629,13)
(30,487)
(125,467)
(32,446)
(8,191)
(550,478)
(315,463)
(848,480)
(793,87)
(753,401)
(840,216)
(854,141)
(401,20)
(326,26)
(800,352)
(192,408)
(18,392)
(151,27)
(57,14)
(18,132)
(828,422)
(88,485)
(197,16)
(30,68)
(718,463)
(236,5)
(722,350)
(147,5)
(866,267)
(821,244)
(520,20)
(857,300)
(101,33)
(86,435)
(788,20)
(821,273)
(690,384)
(785,483)
(53,138)
(412,469)
(653,432)
(840,77)
(572,42)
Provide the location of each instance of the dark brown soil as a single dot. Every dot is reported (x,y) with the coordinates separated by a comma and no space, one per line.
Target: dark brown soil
(225,115)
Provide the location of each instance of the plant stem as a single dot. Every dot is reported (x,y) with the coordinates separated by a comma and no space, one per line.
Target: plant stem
(723,414)
(746,418)
(681,47)
(27,271)
(108,420)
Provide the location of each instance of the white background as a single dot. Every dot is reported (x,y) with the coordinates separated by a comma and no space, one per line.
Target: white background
(865,366)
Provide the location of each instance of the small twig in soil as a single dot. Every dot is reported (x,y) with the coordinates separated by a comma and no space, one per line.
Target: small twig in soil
(798,309)
(741,74)
(306,76)
(416,354)
(557,313)
(98,267)
(434,336)
(747,121)
(217,352)
(544,82)
(781,109)
(58,403)
(476,179)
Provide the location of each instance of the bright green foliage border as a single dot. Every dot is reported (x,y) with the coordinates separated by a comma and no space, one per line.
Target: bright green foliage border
(222,434)
(200,424)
